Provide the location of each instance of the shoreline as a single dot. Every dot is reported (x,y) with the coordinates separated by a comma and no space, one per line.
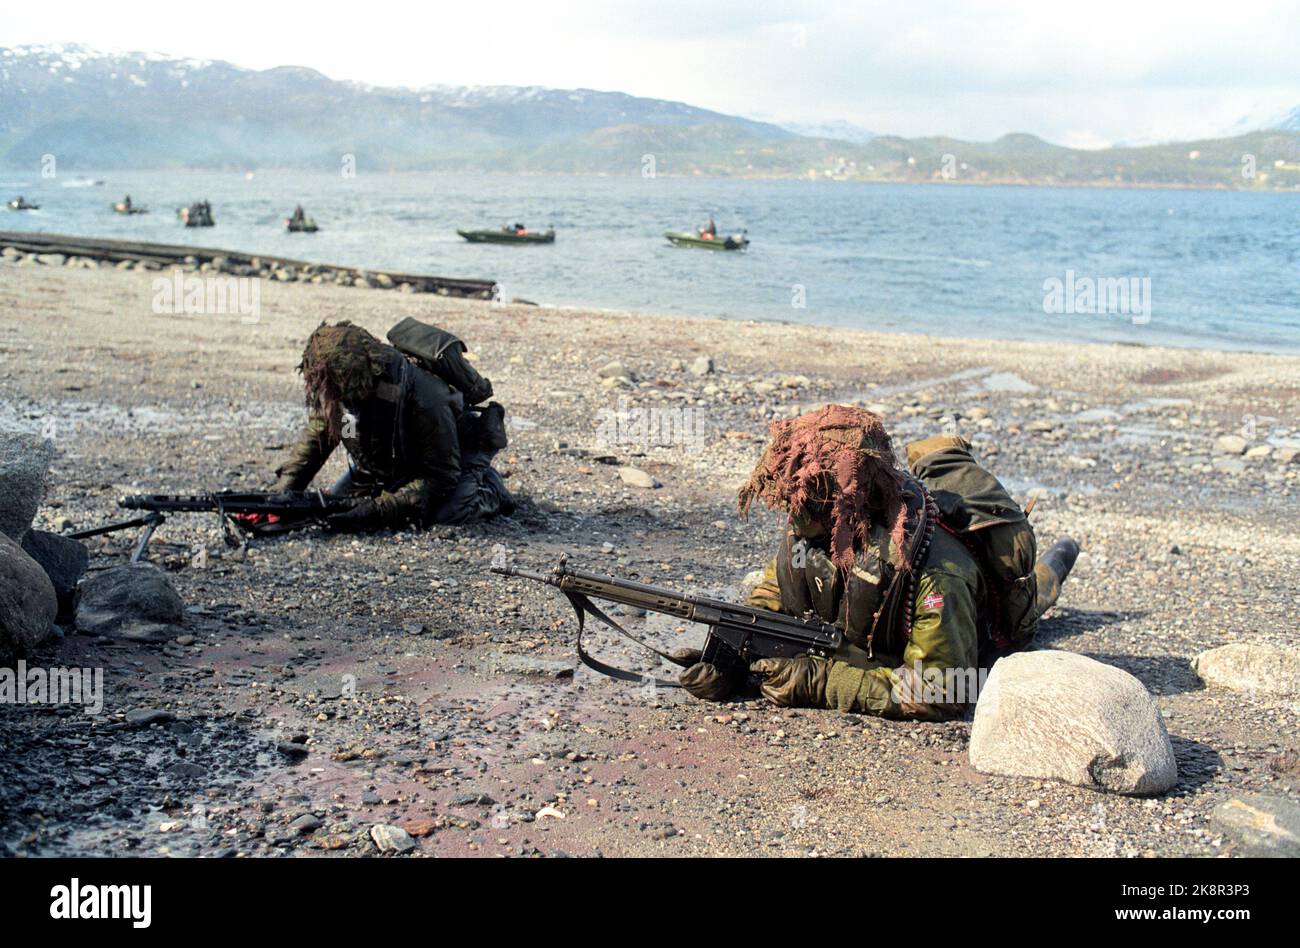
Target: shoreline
(577,308)
(318,273)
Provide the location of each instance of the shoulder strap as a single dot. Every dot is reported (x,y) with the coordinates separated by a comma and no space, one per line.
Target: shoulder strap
(584,607)
(896,606)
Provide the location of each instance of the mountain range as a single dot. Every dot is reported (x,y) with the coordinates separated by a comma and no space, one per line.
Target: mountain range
(1289,122)
(97,111)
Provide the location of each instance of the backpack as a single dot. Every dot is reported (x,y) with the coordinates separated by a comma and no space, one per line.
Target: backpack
(976,508)
(439,352)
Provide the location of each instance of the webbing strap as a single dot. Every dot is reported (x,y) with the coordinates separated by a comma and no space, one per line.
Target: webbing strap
(583,606)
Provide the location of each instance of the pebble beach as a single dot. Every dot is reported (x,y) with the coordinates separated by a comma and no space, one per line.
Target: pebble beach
(323,685)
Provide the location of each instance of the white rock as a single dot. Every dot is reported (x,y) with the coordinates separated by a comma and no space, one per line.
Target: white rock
(1054,715)
(391,839)
(753,579)
(702,366)
(635,477)
(1230,444)
(614,370)
(1267,669)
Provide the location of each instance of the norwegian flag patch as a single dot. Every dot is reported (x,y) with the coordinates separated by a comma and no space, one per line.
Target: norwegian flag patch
(933,602)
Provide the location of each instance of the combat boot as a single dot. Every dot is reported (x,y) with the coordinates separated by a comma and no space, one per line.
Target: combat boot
(1051,571)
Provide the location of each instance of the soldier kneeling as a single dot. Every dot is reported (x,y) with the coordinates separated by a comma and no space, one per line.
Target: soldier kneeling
(419,452)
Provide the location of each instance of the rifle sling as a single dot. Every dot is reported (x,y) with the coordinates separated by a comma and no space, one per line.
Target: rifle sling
(583,606)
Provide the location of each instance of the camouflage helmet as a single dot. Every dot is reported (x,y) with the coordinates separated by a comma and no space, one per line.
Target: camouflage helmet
(341,364)
(835,466)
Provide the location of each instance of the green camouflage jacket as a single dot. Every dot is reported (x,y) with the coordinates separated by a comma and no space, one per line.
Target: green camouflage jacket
(949,595)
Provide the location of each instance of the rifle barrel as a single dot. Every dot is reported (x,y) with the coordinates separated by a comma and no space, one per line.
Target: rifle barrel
(523,574)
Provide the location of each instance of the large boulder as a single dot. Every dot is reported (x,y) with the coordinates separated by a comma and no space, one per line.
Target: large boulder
(1264,669)
(1060,716)
(27,602)
(64,561)
(135,602)
(24,464)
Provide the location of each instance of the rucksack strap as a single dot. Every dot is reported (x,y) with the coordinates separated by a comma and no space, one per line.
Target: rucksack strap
(896,607)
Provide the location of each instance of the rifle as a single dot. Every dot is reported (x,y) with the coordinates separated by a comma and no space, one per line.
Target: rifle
(737,634)
(255,512)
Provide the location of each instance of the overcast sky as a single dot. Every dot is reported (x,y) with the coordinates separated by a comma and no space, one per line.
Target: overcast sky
(1085,73)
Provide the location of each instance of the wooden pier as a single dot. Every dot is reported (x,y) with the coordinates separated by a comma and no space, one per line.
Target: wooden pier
(153,256)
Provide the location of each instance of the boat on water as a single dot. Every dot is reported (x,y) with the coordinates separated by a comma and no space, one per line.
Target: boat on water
(517,234)
(127,207)
(300,223)
(20,203)
(734,242)
(198,214)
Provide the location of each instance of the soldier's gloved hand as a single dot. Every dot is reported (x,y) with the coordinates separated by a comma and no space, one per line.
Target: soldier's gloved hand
(364,516)
(686,657)
(793,682)
(702,679)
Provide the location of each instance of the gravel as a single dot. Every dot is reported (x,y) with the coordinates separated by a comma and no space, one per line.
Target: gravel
(306,634)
